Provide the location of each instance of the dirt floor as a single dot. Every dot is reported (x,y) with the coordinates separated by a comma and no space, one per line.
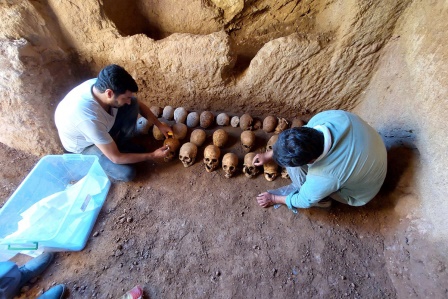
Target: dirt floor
(185,233)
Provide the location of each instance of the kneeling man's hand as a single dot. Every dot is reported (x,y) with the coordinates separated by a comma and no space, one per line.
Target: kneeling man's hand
(265,199)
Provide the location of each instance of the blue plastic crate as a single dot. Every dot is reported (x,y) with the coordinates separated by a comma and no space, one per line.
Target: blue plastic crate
(56,205)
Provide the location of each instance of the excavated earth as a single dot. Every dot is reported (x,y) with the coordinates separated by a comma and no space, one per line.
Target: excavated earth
(186,233)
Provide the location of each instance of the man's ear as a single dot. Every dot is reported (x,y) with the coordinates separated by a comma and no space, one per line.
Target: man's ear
(109,93)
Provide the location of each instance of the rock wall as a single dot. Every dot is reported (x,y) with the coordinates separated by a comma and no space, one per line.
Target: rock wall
(33,65)
(304,57)
(406,100)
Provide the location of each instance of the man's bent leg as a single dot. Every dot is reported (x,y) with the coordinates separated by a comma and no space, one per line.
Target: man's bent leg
(125,122)
(337,196)
(124,128)
(297,175)
(119,172)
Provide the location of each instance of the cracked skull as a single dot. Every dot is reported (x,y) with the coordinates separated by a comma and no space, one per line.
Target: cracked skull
(270,171)
(229,164)
(281,126)
(271,142)
(174,145)
(249,169)
(284,174)
(246,122)
(247,140)
(188,153)
(211,157)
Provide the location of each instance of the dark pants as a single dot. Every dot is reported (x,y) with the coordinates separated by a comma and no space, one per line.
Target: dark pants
(122,132)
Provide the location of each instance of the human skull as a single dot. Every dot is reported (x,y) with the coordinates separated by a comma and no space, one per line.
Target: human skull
(229,164)
(198,137)
(180,131)
(246,122)
(206,119)
(220,137)
(284,174)
(180,115)
(187,154)
(271,142)
(282,125)
(270,171)
(222,119)
(174,145)
(158,135)
(297,122)
(212,153)
(269,123)
(193,119)
(143,125)
(247,140)
(235,121)
(156,110)
(257,124)
(249,169)
(168,113)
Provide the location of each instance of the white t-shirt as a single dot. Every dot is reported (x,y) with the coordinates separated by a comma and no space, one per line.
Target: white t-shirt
(81,121)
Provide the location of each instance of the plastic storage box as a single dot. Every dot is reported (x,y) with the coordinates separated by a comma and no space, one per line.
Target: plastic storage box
(56,205)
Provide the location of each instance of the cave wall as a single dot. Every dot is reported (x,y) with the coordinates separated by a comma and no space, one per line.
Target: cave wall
(287,57)
(407,100)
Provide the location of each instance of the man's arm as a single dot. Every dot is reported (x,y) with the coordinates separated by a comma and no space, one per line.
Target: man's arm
(146,113)
(111,151)
(263,158)
(267,199)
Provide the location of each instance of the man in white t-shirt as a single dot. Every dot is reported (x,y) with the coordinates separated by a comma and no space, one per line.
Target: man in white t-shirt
(98,117)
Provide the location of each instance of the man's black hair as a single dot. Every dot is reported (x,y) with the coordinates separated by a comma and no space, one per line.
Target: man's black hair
(298,146)
(117,79)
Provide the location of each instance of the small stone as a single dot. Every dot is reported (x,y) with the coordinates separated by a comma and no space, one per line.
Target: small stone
(96,234)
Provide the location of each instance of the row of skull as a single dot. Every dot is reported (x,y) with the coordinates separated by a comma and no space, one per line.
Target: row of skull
(212,159)
(220,138)
(206,119)
(229,164)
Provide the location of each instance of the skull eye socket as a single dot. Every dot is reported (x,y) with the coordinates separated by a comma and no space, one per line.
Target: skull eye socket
(207,159)
(251,168)
(232,168)
(246,146)
(214,160)
(224,167)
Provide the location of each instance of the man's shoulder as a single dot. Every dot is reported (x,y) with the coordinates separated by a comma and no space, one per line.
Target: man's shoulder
(81,92)
(330,116)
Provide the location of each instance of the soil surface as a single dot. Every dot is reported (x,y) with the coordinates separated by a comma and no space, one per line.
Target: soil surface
(186,233)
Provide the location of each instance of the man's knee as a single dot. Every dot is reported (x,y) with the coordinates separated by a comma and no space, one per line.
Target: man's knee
(124,173)
(128,174)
